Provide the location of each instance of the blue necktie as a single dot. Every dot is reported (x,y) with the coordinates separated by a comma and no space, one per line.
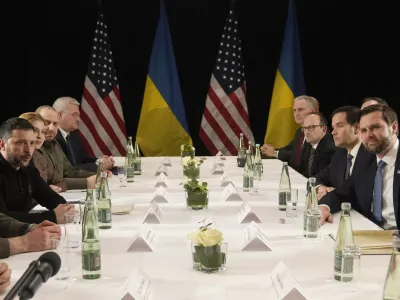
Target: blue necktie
(348,166)
(377,201)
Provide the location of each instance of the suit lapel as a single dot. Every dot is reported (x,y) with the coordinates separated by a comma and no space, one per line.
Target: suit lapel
(342,167)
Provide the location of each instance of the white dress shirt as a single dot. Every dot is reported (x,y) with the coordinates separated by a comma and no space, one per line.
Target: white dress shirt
(63,133)
(389,219)
(354,153)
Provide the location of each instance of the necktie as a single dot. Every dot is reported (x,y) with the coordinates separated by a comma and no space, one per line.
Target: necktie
(311,161)
(71,151)
(377,200)
(300,147)
(348,166)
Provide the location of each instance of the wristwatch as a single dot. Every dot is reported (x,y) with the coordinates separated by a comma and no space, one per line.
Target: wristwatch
(25,228)
(276,152)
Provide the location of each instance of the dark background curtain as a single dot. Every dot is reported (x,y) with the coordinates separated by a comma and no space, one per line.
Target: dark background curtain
(349,51)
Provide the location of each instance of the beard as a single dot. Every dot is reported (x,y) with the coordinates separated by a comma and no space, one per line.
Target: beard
(14,160)
(380,146)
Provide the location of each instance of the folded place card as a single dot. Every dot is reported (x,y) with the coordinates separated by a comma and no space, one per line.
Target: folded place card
(144,240)
(162,180)
(162,169)
(255,239)
(246,215)
(217,169)
(167,162)
(160,195)
(138,286)
(230,194)
(153,214)
(284,286)
(225,180)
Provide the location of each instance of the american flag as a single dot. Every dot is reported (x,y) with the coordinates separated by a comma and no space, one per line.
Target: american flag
(103,127)
(226,115)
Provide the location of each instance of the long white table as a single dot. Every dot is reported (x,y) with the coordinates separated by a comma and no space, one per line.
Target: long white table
(170,265)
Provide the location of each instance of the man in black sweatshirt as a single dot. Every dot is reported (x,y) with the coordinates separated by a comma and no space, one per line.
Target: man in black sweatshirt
(21,186)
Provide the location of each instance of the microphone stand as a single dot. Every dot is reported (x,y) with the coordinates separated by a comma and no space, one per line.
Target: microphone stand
(20,285)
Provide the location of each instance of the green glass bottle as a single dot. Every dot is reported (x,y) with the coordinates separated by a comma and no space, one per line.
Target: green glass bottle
(137,160)
(91,254)
(258,165)
(241,148)
(98,177)
(391,289)
(104,214)
(129,164)
(344,237)
(248,175)
(284,187)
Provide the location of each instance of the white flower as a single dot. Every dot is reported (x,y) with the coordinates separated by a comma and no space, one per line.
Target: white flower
(186,160)
(207,238)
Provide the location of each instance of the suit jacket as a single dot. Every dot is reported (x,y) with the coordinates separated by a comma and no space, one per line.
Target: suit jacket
(289,152)
(82,158)
(322,156)
(75,178)
(358,190)
(49,175)
(9,227)
(333,175)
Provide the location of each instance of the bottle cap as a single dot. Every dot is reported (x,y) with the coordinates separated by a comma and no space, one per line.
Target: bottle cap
(257,145)
(285,163)
(346,206)
(312,180)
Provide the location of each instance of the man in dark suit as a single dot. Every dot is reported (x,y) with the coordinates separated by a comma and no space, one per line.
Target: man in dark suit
(69,139)
(348,159)
(367,101)
(374,193)
(318,151)
(302,106)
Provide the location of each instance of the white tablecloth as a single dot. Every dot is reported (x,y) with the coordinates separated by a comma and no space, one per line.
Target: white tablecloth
(170,265)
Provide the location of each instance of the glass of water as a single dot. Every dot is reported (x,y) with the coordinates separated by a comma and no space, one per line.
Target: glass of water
(73,232)
(60,246)
(291,204)
(122,176)
(313,218)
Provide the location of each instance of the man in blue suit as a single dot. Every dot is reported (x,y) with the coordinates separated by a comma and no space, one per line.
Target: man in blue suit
(350,157)
(375,192)
(69,139)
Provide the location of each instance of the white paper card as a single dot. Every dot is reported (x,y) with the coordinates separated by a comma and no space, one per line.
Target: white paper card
(138,286)
(230,194)
(217,169)
(160,195)
(255,239)
(167,162)
(144,240)
(153,215)
(225,180)
(284,286)
(246,215)
(162,169)
(162,180)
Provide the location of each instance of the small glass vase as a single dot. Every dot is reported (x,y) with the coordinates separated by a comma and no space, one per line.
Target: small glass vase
(196,201)
(191,172)
(209,259)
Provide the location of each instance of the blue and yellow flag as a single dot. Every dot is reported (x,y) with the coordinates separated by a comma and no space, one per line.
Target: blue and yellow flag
(162,126)
(289,83)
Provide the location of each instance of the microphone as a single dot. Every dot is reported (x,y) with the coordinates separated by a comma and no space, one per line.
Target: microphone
(39,271)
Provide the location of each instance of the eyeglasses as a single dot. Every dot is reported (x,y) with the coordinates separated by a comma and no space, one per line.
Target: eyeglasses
(311,127)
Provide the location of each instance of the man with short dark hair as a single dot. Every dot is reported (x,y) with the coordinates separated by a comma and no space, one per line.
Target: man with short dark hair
(348,159)
(375,194)
(21,186)
(318,151)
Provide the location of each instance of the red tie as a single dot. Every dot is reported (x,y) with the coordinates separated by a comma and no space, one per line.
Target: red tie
(298,154)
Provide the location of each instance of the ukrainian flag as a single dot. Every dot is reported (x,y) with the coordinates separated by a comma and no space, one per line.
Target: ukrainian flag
(289,83)
(162,126)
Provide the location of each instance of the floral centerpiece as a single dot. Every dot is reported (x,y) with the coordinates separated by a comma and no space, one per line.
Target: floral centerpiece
(191,167)
(196,193)
(187,150)
(208,249)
